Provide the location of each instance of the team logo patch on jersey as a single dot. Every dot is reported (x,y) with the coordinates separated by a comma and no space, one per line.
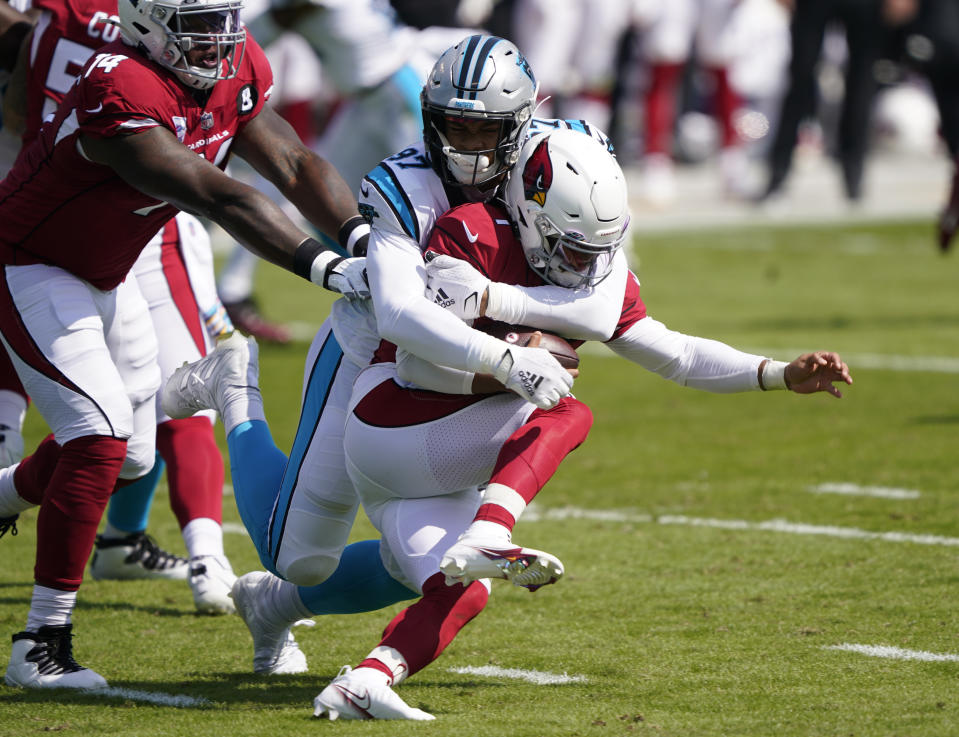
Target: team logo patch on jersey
(367,211)
(179,127)
(246,99)
(206,121)
(538,174)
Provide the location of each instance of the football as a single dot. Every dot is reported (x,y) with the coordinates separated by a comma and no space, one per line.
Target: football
(520,335)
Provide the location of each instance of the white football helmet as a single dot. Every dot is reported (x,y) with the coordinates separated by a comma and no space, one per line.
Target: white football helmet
(567,197)
(481,78)
(168,30)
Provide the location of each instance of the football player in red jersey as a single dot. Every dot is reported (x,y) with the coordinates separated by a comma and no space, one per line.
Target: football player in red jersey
(144,132)
(567,201)
(174,273)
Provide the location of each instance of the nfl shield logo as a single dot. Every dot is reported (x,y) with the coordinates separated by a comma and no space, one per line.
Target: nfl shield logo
(206,121)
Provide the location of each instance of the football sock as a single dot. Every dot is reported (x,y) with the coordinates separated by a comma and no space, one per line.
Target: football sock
(129,508)
(11,503)
(203,536)
(422,631)
(529,458)
(194,469)
(359,584)
(727,103)
(257,468)
(50,607)
(32,474)
(76,496)
(661,106)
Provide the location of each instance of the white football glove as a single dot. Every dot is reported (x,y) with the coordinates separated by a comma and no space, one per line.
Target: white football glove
(535,375)
(348,277)
(454,285)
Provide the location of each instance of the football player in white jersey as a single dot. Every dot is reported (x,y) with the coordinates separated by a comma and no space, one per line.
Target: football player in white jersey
(478,104)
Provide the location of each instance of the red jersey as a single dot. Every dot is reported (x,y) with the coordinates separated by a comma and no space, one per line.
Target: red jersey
(481,234)
(59,208)
(65,36)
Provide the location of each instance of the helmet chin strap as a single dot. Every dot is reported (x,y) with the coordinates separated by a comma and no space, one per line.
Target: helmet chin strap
(464,167)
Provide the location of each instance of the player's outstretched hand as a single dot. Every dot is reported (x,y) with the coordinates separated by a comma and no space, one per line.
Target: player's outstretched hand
(456,285)
(817,372)
(535,375)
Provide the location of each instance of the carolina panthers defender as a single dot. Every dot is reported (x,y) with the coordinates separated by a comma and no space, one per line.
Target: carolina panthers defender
(567,200)
(478,104)
(142,134)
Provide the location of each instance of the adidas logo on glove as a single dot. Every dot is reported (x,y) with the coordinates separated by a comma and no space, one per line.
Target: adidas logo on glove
(530,381)
(443,299)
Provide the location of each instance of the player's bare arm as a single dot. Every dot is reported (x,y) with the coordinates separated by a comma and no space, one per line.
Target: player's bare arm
(154,162)
(270,145)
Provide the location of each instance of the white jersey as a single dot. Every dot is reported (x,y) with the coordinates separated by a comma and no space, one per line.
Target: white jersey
(402,198)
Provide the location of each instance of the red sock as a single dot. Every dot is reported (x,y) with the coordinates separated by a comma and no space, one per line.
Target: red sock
(661,107)
(727,103)
(531,455)
(73,504)
(33,474)
(194,468)
(422,631)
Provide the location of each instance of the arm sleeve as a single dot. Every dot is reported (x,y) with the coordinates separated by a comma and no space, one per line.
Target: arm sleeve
(584,314)
(699,363)
(405,317)
(414,370)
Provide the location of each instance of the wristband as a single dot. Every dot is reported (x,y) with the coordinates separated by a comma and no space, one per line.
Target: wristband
(314,262)
(772,375)
(354,235)
(505,303)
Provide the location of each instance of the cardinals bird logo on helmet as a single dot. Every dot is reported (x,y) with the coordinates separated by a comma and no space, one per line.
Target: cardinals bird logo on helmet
(538,174)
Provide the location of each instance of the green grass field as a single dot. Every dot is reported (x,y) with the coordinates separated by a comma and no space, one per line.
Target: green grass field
(710,589)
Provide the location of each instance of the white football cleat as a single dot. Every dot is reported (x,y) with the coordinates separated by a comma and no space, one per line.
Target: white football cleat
(274,649)
(211,579)
(229,370)
(44,659)
(352,695)
(134,557)
(470,560)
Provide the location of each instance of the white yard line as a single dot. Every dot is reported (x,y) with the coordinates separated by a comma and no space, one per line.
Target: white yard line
(534,514)
(153,697)
(881,492)
(896,653)
(532,676)
(234,528)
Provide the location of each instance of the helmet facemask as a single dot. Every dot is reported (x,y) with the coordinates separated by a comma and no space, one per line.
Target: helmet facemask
(477,167)
(200,42)
(568,259)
